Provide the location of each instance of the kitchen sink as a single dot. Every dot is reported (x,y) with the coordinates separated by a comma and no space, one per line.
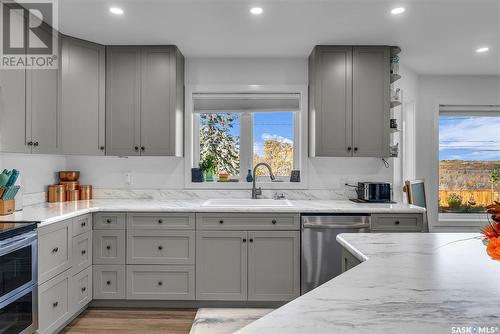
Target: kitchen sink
(236,202)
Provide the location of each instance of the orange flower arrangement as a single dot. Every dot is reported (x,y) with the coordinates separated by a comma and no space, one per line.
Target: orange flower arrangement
(491,232)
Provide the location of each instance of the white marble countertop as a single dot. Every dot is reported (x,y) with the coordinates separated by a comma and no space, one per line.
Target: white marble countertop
(408,283)
(47,213)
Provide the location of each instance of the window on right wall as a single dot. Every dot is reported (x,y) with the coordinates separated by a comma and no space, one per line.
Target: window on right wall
(469,159)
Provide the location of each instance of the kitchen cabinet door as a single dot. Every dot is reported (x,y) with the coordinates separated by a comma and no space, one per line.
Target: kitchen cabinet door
(330,101)
(371,101)
(14,135)
(221,265)
(273,265)
(83,97)
(123,100)
(158,101)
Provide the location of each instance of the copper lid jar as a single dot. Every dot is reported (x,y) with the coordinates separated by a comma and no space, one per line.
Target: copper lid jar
(72,195)
(70,185)
(85,192)
(57,193)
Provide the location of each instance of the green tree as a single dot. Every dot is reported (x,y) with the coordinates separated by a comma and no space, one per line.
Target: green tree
(216,140)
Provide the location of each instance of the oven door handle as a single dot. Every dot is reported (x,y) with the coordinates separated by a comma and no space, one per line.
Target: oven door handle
(27,239)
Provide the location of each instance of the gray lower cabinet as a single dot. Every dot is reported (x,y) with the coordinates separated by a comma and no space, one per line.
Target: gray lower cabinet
(144,100)
(53,303)
(273,265)
(160,247)
(160,282)
(109,282)
(161,221)
(109,221)
(82,97)
(221,265)
(82,224)
(54,249)
(247,221)
(348,260)
(403,222)
(349,101)
(108,247)
(82,252)
(80,290)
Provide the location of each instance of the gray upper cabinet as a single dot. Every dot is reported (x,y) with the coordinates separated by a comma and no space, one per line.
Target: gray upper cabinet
(349,105)
(371,101)
(83,97)
(330,101)
(144,100)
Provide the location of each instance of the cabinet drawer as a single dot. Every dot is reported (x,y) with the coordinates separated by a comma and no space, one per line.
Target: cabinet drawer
(109,221)
(160,247)
(397,223)
(82,224)
(53,303)
(80,290)
(108,247)
(160,282)
(254,221)
(109,282)
(54,249)
(156,221)
(82,252)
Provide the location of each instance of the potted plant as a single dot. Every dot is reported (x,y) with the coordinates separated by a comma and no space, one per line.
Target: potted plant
(208,166)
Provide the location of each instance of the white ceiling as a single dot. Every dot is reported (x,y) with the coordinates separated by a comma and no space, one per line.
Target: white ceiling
(437,37)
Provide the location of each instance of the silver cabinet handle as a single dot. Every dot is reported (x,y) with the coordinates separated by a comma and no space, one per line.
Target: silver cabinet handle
(319,226)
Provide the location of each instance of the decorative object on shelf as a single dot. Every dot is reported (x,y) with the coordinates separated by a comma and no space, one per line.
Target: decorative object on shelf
(394,150)
(491,231)
(394,123)
(223,177)
(395,64)
(295,176)
(67,176)
(208,166)
(395,96)
(196,175)
(249,176)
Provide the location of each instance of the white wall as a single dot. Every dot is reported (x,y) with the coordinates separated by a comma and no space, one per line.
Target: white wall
(433,90)
(162,173)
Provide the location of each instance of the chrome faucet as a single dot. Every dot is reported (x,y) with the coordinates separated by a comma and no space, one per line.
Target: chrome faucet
(258,191)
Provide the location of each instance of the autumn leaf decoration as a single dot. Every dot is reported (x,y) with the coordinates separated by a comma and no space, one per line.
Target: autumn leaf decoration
(491,231)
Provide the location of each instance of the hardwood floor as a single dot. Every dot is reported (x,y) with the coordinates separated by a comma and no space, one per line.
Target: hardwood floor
(128,321)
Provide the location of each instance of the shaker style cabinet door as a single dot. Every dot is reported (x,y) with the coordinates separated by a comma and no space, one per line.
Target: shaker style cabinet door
(273,265)
(123,100)
(371,101)
(83,97)
(221,265)
(330,101)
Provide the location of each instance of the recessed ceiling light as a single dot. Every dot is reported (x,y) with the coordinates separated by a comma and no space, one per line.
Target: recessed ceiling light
(398,10)
(483,49)
(256,10)
(116,10)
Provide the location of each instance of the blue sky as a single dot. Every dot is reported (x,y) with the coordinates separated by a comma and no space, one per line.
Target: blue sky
(469,138)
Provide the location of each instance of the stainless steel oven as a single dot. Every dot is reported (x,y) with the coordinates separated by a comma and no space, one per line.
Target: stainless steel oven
(18,278)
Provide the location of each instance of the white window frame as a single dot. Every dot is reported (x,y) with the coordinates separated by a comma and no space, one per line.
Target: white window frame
(471,220)
(246,124)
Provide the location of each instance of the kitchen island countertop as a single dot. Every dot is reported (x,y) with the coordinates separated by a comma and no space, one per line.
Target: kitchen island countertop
(407,283)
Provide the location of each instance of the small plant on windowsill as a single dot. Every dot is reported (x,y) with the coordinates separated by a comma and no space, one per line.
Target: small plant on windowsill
(491,232)
(208,166)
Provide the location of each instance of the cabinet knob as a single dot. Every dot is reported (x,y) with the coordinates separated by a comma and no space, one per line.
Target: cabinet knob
(160,221)
(84,252)
(221,221)
(30,143)
(396,222)
(160,247)
(83,224)
(108,282)
(244,240)
(54,304)
(160,283)
(349,148)
(84,289)
(101,148)
(143,148)
(35,144)
(136,148)
(251,240)
(55,250)
(108,247)
(108,221)
(355,149)
(274,221)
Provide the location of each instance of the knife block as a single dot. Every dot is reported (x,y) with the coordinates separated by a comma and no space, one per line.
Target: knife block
(7,207)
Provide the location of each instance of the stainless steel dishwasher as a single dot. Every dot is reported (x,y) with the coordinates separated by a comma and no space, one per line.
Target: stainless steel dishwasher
(321,253)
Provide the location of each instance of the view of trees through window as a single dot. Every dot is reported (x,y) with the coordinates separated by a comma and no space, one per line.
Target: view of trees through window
(469,163)
(272,132)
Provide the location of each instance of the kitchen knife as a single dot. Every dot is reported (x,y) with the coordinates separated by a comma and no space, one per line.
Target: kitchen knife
(13,178)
